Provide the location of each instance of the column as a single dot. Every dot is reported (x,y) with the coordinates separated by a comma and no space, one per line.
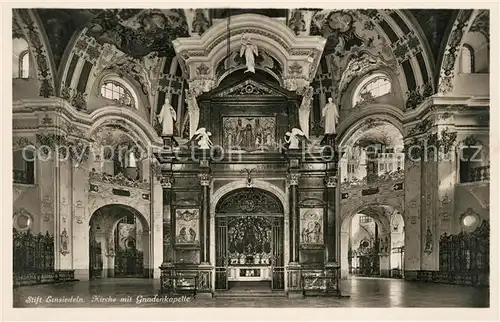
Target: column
(157,227)
(63,237)
(332,229)
(166,185)
(205,179)
(293,181)
(81,217)
(412,218)
(167,267)
(108,250)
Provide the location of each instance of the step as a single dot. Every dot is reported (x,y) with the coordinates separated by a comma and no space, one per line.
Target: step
(248,294)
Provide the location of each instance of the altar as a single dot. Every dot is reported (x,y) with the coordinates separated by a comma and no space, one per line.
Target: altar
(249,273)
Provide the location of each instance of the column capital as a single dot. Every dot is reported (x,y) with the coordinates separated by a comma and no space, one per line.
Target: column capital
(331,181)
(166,181)
(205,179)
(293,178)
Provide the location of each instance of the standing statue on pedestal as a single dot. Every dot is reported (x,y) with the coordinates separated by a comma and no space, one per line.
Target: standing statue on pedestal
(167,117)
(203,136)
(249,49)
(331,115)
(305,110)
(193,111)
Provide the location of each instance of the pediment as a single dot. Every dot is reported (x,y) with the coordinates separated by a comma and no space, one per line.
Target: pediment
(248,88)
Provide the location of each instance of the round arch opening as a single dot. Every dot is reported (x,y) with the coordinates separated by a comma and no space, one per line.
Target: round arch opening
(118,243)
(372,243)
(249,239)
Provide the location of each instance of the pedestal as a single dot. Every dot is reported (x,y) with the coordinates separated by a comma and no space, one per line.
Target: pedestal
(205,281)
(167,273)
(332,272)
(169,142)
(329,139)
(294,280)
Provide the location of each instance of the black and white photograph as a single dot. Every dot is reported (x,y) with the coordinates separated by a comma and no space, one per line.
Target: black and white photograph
(234,157)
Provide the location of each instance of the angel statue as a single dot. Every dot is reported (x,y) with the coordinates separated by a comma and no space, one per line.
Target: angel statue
(167,117)
(193,112)
(249,49)
(292,138)
(305,110)
(331,115)
(204,138)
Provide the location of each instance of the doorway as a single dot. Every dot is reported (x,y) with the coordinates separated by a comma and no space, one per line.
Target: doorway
(249,241)
(118,243)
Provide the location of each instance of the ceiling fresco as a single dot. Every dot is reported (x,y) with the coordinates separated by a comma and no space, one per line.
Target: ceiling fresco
(138,32)
(434,24)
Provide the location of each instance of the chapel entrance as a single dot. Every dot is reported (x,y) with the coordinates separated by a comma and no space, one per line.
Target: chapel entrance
(249,241)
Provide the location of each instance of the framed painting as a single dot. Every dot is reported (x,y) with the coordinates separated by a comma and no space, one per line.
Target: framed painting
(249,133)
(311,226)
(187,226)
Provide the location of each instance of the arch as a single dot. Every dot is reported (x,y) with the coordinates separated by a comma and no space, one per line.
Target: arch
(382,220)
(67,56)
(241,184)
(100,203)
(429,60)
(222,77)
(249,200)
(42,55)
(356,120)
(138,214)
(134,122)
(448,63)
(269,34)
(103,240)
(382,216)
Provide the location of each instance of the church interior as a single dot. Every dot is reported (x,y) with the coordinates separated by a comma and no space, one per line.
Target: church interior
(253,153)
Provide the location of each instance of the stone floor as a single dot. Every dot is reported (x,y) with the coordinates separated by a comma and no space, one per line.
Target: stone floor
(364,292)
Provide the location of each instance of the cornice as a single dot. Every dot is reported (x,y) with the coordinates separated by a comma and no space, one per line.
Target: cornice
(447,104)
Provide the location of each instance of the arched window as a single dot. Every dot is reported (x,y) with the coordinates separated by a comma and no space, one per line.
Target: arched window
(23,166)
(20,58)
(117,92)
(466,59)
(24,64)
(373,86)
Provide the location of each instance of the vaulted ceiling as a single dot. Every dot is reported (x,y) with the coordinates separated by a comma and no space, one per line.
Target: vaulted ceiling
(138,32)
(358,42)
